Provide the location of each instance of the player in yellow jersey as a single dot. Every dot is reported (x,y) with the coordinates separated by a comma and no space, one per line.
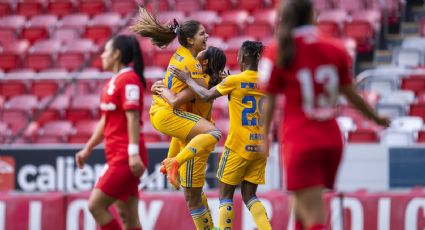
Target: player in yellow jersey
(192,174)
(199,134)
(242,161)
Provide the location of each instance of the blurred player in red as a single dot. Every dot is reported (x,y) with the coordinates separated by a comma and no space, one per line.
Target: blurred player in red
(311,71)
(119,127)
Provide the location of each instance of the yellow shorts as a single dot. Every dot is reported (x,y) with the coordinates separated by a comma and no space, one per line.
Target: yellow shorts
(233,169)
(174,122)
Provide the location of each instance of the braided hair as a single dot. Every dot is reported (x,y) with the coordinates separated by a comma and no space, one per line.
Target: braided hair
(216,63)
(252,50)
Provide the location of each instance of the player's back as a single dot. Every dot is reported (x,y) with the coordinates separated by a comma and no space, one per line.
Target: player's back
(245,108)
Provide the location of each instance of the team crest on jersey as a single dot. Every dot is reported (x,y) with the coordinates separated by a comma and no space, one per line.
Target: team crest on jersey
(132,92)
(198,66)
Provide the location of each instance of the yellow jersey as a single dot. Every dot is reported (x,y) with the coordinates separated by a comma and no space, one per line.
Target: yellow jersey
(201,107)
(245,112)
(181,59)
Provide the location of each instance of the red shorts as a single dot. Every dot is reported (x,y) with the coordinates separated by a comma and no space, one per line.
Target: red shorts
(308,167)
(118,182)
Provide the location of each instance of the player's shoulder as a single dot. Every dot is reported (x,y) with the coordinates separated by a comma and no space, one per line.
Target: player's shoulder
(333,44)
(128,77)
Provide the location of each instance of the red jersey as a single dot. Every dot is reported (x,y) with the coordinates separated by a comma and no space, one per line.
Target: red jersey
(122,92)
(311,87)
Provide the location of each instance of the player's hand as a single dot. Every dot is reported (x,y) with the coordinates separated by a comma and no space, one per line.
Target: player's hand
(81,157)
(157,87)
(136,165)
(180,74)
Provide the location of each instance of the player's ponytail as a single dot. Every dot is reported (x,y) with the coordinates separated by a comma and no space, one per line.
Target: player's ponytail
(216,63)
(147,25)
(293,13)
(130,52)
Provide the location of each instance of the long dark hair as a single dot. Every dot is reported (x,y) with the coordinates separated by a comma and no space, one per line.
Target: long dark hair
(216,63)
(293,13)
(252,50)
(147,25)
(130,52)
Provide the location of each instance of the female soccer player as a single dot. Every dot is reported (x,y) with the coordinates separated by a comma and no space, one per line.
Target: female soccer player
(200,135)
(311,71)
(119,125)
(242,161)
(192,174)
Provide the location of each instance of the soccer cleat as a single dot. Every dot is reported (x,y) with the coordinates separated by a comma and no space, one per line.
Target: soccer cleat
(163,169)
(172,169)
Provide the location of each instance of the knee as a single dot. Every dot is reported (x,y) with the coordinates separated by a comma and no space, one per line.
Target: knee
(193,201)
(216,134)
(248,197)
(94,207)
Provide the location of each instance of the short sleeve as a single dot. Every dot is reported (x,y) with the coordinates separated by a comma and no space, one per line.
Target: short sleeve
(227,85)
(196,70)
(130,95)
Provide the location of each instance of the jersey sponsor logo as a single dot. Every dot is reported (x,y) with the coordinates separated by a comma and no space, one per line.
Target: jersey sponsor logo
(132,92)
(108,106)
(252,148)
(249,85)
(256,136)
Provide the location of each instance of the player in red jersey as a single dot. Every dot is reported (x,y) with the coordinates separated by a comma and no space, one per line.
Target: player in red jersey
(311,71)
(119,127)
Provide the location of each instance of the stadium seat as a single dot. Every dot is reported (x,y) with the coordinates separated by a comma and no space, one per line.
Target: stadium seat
(39,27)
(30,8)
(263,24)
(15,119)
(320,5)
(370,97)
(363,32)
(60,8)
(207,18)
(40,56)
(383,85)
(123,7)
(219,5)
(18,109)
(250,5)
(12,88)
(407,123)
(168,16)
(75,21)
(83,107)
(233,46)
(188,6)
(413,83)
(414,42)
(408,57)
(75,53)
(92,7)
(10,55)
(163,56)
(363,136)
(82,131)
(55,132)
(65,34)
(392,137)
(43,88)
(418,110)
(55,110)
(393,8)
(102,27)
(4,132)
(5,8)
(391,110)
(399,97)
(10,26)
(350,6)
(421,136)
(217,42)
(151,135)
(231,25)
(331,22)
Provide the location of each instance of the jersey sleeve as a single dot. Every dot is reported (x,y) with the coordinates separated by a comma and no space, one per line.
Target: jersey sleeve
(195,69)
(130,93)
(227,85)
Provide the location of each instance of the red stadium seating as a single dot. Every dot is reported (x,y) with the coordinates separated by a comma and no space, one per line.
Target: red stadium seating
(232,24)
(102,26)
(331,22)
(65,34)
(10,56)
(83,107)
(250,5)
(168,16)
(350,6)
(5,8)
(75,53)
(44,88)
(413,83)
(233,46)
(363,32)
(219,5)
(12,88)
(188,6)
(60,8)
(207,18)
(30,8)
(320,5)
(54,132)
(91,7)
(10,26)
(162,56)
(123,7)
(421,136)
(363,136)
(75,21)
(55,111)
(39,27)
(83,131)
(418,110)
(40,55)
(263,24)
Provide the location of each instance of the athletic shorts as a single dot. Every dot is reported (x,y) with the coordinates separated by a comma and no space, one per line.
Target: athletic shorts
(233,169)
(118,182)
(174,122)
(310,167)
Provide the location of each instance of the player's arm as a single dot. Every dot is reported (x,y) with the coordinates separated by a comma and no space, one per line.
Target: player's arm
(355,99)
(269,104)
(94,140)
(175,99)
(133,128)
(202,92)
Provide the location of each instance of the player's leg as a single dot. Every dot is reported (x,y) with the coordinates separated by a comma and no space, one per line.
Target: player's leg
(175,146)
(98,204)
(129,213)
(226,212)
(309,204)
(192,178)
(254,205)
